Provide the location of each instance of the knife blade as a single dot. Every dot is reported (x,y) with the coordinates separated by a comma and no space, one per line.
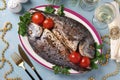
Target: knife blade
(27,60)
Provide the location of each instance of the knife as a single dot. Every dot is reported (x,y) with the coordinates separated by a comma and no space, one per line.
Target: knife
(26,59)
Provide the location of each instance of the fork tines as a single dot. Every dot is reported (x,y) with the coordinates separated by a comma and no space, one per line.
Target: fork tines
(19,62)
(16,58)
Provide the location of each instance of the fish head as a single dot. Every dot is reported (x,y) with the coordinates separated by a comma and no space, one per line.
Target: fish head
(34,30)
(86,48)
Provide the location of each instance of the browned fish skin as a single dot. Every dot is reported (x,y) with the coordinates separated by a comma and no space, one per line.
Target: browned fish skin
(69,34)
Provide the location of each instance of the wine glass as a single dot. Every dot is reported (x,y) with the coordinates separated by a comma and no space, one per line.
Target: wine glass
(104,15)
(118,1)
(88,5)
(53,2)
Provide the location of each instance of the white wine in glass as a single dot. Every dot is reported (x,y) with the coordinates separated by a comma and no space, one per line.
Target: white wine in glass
(104,15)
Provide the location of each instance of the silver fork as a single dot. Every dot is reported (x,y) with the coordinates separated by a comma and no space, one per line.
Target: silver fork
(19,62)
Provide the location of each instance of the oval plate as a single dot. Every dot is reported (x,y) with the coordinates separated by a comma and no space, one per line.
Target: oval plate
(69,13)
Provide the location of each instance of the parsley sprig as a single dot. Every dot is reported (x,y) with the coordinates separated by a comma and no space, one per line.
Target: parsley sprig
(98,56)
(60,69)
(49,9)
(24,22)
(60,11)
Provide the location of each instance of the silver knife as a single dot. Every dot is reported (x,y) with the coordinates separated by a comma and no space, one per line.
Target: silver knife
(27,60)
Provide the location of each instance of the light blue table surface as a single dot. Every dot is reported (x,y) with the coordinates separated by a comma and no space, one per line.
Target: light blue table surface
(12,38)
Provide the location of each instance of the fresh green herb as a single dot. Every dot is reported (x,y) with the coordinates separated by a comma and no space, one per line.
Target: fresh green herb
(98,46)
(94,65)
(62,70)
(24,22)
(60,11)
(98,56)
(49,9)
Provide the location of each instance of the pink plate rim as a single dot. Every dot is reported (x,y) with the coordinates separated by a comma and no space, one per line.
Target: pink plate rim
(74,13)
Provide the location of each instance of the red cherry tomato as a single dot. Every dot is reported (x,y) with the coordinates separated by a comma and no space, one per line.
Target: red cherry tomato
(75,57)
(48,23)
(85,62)
(38,18)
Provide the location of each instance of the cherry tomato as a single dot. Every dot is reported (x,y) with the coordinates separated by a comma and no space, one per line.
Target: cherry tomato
(75,57)
(48,23)
(85,62)
(38,18)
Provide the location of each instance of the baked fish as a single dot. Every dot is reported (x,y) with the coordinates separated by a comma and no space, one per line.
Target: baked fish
(66,36)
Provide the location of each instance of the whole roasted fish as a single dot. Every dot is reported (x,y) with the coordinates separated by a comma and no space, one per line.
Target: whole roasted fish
(55,45)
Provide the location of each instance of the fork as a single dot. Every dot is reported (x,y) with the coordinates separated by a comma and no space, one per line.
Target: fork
(19,62)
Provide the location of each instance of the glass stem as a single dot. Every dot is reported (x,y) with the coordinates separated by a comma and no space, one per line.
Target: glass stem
(53,2)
